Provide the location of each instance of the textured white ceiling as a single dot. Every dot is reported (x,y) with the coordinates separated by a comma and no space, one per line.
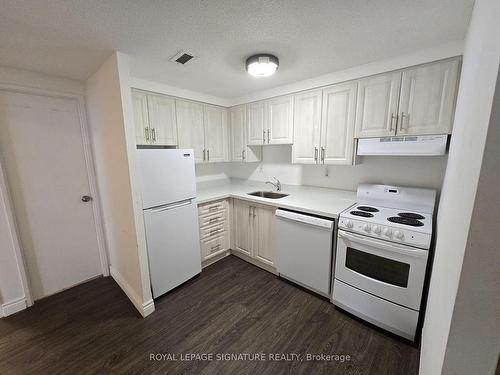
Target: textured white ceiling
(71,38)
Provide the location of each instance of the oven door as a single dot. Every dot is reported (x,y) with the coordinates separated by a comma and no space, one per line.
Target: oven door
(391,271)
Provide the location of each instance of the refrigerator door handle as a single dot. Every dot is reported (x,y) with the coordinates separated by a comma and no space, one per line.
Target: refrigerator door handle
(170,206)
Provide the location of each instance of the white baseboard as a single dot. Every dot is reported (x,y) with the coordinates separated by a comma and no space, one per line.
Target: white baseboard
(11,307)
(144,308)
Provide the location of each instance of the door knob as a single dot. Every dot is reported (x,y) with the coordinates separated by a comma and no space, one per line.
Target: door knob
(86,198)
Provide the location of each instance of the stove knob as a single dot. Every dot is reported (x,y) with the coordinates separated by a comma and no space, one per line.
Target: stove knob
(376,229)
(399,235)
(366,227)
(387,232)
(349,224)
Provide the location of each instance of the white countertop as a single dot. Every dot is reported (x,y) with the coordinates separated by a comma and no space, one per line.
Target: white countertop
(313,200)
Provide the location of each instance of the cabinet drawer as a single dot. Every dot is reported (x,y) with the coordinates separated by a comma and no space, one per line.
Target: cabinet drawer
(212,219)
(212,208)
(214,246)
(207,234)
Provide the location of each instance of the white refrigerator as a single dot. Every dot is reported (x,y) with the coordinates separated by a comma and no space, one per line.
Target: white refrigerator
(170,216)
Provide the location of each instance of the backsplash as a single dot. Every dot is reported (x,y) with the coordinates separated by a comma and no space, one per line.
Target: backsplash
(416,171)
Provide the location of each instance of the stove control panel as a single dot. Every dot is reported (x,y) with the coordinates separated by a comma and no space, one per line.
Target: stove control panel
(407,237)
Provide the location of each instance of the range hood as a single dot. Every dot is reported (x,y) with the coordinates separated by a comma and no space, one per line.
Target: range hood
(421,145)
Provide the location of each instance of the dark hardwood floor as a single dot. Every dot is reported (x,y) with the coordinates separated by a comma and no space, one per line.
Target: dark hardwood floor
(232,307)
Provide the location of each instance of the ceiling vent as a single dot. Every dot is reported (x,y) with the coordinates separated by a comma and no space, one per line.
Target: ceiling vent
(182,57)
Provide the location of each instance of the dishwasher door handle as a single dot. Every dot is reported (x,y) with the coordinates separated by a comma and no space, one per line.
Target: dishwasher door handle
(305,219)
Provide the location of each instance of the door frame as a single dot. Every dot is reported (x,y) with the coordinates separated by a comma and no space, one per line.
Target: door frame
(91,177)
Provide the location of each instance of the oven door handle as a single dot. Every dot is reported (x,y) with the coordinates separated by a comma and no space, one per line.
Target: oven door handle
(380,244)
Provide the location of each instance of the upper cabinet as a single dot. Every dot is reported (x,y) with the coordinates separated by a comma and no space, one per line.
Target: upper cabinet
(324,125)
(203,128)
(256,123)
(377,105)
(141,119)
(239,149)
(155,121)
(414,101)
(216,134)
(190,127)
(306,127)
(337,124)
(280,120)
(427,99)
(270,122)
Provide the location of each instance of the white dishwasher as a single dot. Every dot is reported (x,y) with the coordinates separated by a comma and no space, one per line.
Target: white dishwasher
(304,250)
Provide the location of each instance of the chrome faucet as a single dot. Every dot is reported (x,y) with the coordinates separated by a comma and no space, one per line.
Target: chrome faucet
(276,184)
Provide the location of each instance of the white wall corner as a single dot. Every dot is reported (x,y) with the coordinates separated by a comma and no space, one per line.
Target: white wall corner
(144,308)
(11,307)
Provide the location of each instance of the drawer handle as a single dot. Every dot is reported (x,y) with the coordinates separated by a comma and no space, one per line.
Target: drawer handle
(214,219)
(213,208)
(216,247)
(215,231)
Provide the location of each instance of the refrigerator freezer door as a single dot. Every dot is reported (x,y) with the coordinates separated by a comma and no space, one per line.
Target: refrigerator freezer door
(167,176)
(173,245)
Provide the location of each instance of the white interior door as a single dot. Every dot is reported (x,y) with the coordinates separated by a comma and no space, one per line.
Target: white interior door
(41,145)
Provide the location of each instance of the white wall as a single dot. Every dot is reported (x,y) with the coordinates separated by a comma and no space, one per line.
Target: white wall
(474,340)
(405,171)
(13,279)
(478,78)
(111,150)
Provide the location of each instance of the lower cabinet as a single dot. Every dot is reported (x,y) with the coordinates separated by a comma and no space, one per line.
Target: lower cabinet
(254,231)
(213,220)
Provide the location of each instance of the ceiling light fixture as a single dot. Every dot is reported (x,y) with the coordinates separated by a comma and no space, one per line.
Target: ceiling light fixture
(262,65)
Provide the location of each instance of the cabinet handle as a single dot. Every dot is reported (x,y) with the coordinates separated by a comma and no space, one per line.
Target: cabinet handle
(203,154)
(215,247)
(393,117)
(323,155)
(214,219)
(243,154)
(263,136)
(208,155)
(268,131)
(249,211)
(254,211)
(215,231)
(315,154)
(154,134)
(403,116)
(146,132)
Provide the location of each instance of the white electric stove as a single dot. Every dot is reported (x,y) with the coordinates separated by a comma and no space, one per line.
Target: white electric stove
(381,258)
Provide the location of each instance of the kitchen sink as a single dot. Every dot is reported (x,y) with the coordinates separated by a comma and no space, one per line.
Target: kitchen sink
(268,194)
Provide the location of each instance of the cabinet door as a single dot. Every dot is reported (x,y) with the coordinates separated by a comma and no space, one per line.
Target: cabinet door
(280,120)
(337,124)
(162,119)
(306,127)
(238,137)
(238,145)
(428,98)
(243,220)
(265,236)
(141,121)
(216,134)
(256,123)
(190,127)
(377,105)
